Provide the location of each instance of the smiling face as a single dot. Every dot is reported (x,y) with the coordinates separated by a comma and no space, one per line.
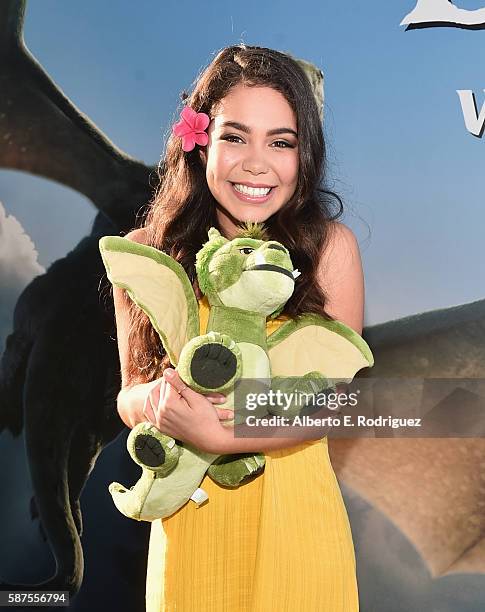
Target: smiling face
(251,158)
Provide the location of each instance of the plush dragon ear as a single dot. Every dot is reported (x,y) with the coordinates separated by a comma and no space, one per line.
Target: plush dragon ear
(214,233)
(204,256)
(312,343)
(158,285)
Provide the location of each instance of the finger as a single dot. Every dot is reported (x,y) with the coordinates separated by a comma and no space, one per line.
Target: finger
(224,414)
(172,396)
(184,391)
(155,395)
(215,398)
(163,389)
(148,411)
(164,406)
(173,377)
(151,402)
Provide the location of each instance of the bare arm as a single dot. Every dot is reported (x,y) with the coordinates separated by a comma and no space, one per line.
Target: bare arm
(228,444)
(341,276)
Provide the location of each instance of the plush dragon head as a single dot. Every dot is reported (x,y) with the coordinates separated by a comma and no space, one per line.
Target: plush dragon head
(248,272)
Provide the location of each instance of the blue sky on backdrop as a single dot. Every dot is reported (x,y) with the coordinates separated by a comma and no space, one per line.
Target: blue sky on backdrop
(399,153)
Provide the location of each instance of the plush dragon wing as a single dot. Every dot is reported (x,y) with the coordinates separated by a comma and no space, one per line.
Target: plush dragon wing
(312,343)
(158,285)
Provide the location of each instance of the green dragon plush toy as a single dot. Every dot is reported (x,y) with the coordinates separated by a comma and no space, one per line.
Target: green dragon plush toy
(245,280)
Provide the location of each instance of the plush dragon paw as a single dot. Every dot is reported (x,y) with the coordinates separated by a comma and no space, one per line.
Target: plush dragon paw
(232,470)
(152,449)
(211,362)
(297,392)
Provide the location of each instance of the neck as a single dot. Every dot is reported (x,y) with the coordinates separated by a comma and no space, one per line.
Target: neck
(240,325)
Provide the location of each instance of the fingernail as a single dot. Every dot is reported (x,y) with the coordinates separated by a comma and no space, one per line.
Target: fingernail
(169,372)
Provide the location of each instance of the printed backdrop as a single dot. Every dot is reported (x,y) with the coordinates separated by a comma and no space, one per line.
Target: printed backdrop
(404,116)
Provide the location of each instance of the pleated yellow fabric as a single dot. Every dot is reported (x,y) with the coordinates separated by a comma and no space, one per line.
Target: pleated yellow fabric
(281,542)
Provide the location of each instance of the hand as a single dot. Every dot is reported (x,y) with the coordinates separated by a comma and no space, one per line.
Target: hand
(153,399)
(187,416)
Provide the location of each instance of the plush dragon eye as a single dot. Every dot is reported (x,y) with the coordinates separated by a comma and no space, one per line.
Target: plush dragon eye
(246,250)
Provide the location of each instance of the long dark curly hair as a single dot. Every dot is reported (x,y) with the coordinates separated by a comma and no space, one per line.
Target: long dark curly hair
(183,208)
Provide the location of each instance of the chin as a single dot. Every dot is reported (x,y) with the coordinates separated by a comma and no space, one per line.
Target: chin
(253,214)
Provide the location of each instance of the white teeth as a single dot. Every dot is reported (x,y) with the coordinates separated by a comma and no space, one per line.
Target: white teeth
(259,259)
(255,192)
(296,273)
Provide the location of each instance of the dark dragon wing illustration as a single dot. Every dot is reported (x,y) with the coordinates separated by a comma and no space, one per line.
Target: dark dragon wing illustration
(432,486)
(59,374)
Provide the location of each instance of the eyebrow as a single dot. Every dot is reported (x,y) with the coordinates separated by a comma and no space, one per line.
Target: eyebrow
(244,128)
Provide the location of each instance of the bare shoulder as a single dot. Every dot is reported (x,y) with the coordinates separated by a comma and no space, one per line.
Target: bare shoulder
(138,235)
(340,254)
(341,240)
(341,276)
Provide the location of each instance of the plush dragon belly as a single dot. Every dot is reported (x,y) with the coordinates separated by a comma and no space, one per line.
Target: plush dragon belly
(245,280)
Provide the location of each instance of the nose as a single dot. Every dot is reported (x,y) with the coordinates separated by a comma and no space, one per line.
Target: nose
(254,161)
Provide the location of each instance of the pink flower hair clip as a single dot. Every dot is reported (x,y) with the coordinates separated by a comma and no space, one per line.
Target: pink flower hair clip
(191,128)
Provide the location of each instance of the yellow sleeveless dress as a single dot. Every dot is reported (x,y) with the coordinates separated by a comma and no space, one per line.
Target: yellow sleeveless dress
(281,542)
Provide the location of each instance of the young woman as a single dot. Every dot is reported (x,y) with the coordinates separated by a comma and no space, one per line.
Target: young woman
(281,541)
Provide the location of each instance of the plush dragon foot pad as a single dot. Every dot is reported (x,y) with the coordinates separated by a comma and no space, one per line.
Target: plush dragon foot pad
(210,362)
(233,470)
(245,280)
(153,450)
(295,389)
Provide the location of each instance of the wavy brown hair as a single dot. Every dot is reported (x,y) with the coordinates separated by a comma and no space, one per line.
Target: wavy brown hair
(183,208)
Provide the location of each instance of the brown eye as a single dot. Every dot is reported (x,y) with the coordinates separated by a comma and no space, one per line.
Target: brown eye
(246,250)
(231,138)
(282,144)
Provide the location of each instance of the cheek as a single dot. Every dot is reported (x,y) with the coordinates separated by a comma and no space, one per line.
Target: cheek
(221,161)
(289,170)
